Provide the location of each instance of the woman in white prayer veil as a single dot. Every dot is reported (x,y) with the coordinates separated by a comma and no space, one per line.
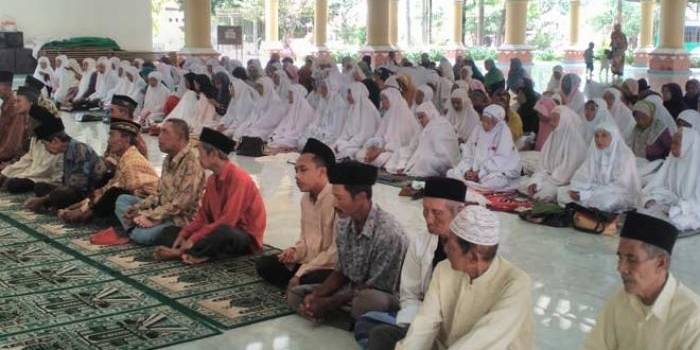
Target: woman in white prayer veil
(166,72)
(115,62)
(362,122)
(125,84)
(461,114)
(571,95)
(674,189)
(285,137)
(434,151)
(446,69)
(690,119)
(595,112)
(620,113)
(60,68)
(89,68)
(608,179)
(138,85)
(240,108)
(44,71)
(490,161)
(187,106)
(397,129)
(269,111)
(424,93)
(154,102)
(561,155)
(105,83)
(69,82)
(331,114)
(662,113)
(282,83)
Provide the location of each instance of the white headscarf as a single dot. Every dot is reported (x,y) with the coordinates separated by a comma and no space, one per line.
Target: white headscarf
(269,111)
(662,113)
(466,120)
(166,72)
(398,126)
(554,84)
(137,86)
(564,150)
(620,113)
(154,101)
(492,151)
(570,84)
(615,164)
(362,121)
(241,107)
(435,150)
(124,85)
(59,70)
(427,94)
(601,116)
(106,82)
(87,74)
(332,114)
(446,69)
(284,85)
(691,117)
(48,71)
(677,178)
(299,115)
(69,79)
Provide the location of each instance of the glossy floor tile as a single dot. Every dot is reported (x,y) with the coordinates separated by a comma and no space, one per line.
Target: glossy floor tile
(573,272)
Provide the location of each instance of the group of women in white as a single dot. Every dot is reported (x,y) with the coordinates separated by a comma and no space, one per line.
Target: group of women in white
(608,153)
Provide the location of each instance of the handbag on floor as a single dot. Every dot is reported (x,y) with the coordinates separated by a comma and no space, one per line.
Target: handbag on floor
(548,214)
(594,221)
(251,147)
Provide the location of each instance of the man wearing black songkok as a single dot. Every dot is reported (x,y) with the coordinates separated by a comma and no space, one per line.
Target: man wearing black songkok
(653,310)
(371,246)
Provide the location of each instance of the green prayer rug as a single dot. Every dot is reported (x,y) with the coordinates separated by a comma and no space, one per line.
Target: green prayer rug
(187,280)
(44,278)
(29,254)
(42,310)
(240,305)
(150,328)
(10,235)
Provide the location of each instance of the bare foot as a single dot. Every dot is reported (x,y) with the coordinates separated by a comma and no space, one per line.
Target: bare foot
(166,253)
(191,260)
(34,204)
(75,216)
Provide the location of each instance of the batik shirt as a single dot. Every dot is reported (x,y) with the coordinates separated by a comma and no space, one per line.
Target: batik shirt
(181,185)
(372,258)
(83,169)
(134,174)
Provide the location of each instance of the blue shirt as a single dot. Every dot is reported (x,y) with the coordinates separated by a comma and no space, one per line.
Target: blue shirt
(83,169)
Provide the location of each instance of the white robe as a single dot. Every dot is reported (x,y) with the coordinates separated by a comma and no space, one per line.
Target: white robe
(154,101)
(240,108)
(493,155)
(84,84)
(105,84)
(562,154)
(362,121)
(204,116)
(186,108)
(331,113)
(268,113)
(588,127)
(37,165)
(466,120)
(691,117)
(434,151)
(621,114)
(40,73)
(397,129)
(299,115)
(608,179)
(675,187)
(416,272)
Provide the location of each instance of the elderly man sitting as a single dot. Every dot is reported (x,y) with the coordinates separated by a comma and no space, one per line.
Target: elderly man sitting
(476,300)
(653,310)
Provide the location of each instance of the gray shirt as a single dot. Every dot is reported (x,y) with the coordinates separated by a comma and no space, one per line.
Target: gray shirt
(374,256)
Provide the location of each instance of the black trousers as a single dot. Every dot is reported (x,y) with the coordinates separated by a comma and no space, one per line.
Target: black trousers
(59,197)
(385,336)
(104,207)
(273,271)
(17,185)
(224,242)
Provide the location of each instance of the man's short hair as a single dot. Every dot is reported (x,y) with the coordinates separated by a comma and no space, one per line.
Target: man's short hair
(654,252)
(181,128)
(486,253)
(357,189)
(209,149)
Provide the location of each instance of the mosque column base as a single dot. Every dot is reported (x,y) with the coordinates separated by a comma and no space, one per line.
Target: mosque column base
(669,60)
(454,51)
(200,52)
(574,55)
(508,52)
(641,57)
(379,54)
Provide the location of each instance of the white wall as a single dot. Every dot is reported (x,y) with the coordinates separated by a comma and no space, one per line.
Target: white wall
(128,22)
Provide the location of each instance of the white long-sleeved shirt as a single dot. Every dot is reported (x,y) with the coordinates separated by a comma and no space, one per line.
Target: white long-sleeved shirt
(415,276)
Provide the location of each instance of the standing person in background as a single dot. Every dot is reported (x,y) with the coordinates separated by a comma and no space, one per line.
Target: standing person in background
(618,45)
(588,58)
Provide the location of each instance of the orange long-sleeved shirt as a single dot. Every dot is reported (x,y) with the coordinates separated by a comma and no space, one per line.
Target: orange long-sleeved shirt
(230,198)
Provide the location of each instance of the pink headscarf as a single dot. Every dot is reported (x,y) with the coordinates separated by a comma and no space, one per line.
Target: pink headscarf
(545,105)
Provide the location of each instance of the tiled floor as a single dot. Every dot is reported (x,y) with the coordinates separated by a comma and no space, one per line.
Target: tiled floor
(573,272)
